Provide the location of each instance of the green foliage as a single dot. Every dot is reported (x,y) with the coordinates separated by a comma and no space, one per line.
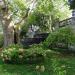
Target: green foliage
(1,40)
(12,54)
(57,64)
(60,9)
(62,38)
(38,19)
(20,4)
(37,48)
(17,55)
(57,8)
(45,6)
(17,8)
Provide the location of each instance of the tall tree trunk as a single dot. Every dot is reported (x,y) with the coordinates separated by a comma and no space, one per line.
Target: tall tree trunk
(7,25)
(8,34)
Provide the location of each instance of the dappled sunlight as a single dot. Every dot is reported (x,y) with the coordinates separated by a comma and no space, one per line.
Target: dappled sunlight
(11,24)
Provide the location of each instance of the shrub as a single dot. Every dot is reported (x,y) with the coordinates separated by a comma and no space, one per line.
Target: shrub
(35,54)
(62,38)
(17,55)
(12,54)
(1,40)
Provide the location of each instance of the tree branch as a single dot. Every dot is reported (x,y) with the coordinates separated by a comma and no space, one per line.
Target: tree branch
(24,17)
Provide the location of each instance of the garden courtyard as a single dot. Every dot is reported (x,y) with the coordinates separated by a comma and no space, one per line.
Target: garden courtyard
(37,37)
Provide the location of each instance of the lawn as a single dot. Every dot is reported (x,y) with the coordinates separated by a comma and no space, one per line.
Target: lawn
(55,64)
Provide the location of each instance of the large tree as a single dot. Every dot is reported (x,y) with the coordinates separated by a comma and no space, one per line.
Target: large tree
(12,13)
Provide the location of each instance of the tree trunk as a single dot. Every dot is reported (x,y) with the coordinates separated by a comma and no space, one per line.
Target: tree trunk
(7,23)
(8,34)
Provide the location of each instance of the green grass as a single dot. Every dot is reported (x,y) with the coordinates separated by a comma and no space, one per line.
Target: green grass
(55,64)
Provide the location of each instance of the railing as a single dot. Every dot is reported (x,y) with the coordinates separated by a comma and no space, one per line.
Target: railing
(69,21)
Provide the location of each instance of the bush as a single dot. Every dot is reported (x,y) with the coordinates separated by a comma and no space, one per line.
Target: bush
(35,54)
(1,40)
(62,39)
(12,54)
(17,55)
